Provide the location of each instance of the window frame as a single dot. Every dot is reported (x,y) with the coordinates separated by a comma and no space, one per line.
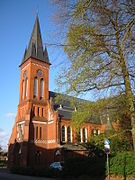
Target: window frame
(36,132)
(69,134)
(63,133)
(26,87)
(40,131)
(35,86)
(41,88)
(84,134)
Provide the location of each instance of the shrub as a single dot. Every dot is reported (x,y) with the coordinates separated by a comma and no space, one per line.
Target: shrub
(3,163)
(118,143)
(81,166)
(123,163)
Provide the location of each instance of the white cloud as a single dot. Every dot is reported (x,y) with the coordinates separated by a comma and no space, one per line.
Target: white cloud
(10,115)
(3,134)
(4,137)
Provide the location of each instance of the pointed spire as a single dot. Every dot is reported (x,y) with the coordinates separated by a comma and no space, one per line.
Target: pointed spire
(46,54)
(35,48)
(25,53)
(37,10)
(109,127)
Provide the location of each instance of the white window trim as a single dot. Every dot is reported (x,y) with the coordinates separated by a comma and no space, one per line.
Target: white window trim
(86,135)
(81,135)
(65,133)
(71,138)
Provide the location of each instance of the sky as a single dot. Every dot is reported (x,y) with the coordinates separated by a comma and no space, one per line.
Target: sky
(16,25)
(17,21)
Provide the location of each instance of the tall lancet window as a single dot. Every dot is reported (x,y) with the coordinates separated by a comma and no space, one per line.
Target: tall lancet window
(63,133)
(41,88)
(79,136)
(23,89)
(35,86)
(84,135)
(69,134)
(26,87)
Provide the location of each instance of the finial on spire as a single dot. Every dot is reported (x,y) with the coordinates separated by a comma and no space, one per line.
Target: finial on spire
(37,10)
(45,45)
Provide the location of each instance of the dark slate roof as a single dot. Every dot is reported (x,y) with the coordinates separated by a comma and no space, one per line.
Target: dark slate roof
(64,113)
(64,103)
(65,110)
(64,107)
(35,48)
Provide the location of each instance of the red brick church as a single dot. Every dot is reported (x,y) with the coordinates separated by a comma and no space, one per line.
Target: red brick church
(42,132)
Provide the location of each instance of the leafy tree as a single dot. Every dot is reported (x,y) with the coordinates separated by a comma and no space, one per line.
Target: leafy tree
(118,143)
(97,112)
(100,45)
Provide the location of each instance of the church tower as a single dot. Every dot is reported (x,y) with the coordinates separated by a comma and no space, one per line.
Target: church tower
(34,135)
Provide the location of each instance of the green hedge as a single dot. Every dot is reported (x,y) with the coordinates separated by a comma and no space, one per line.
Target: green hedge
(118,143)
(3,163)
(79,166)
(123,163)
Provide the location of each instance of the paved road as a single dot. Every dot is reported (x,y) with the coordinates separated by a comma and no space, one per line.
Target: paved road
(5,175)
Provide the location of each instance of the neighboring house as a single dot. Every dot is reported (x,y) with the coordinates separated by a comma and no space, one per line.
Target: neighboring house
(42,132)
(3,156)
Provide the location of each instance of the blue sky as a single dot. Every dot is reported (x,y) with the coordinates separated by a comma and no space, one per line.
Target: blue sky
(17,21)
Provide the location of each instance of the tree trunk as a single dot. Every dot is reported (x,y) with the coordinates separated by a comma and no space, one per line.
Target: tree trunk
(129,95)
(130,104)
(128,90)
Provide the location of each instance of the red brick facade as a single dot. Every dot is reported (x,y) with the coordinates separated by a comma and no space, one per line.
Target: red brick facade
(38,133)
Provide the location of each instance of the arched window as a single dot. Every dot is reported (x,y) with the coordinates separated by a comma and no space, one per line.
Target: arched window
(84,135)
(98,132)
(40,132)
(38,111)
(26,87)
(35,86)
(63,133)
(69,134)
(37,132)
(41,88)
(93,132)
(33,110)
(23,89)
(79,135)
